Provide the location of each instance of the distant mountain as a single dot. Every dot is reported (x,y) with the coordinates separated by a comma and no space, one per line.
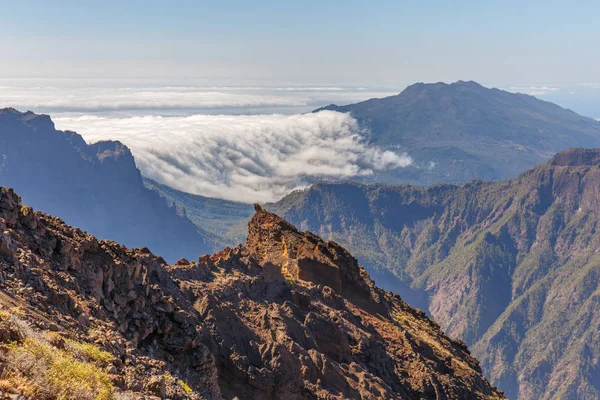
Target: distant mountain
(284,316)
(96,187)
(226,221)
(511,267)
(454,133)
(463,131)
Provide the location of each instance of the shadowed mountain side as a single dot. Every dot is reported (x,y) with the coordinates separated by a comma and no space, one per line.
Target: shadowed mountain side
(96,187)
(226,221)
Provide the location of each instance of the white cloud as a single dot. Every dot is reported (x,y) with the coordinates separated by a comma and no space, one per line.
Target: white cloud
(244,158)
(101,99)
(534,90)
(58,97)
(591,85)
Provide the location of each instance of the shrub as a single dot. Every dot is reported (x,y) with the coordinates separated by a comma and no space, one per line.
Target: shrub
(23,329)
(89,351)
(57,373)
(186,388)
(290,280)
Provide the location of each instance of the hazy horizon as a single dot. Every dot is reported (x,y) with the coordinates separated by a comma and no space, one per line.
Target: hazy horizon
(187,97)
(169,78)
(243,143)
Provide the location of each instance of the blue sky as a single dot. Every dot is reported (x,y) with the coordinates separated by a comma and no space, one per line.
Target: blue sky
(342,42)
(200,82)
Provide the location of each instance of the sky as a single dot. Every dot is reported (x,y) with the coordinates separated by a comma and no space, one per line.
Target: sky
(211,96)
(376,42)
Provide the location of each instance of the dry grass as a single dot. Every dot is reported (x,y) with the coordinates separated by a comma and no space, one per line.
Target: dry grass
(18,311)
(4,314)
(17,384)
(24,329)
(186,388)
(57,373)
(89,351)
(38,368)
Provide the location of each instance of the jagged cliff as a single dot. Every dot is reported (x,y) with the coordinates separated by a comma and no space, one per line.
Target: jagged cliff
(510,267)
(96,187)
(285,316)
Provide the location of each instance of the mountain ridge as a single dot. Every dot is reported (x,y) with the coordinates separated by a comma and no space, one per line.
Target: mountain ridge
(286,315)
(509,267)
(462,131)
(95,186)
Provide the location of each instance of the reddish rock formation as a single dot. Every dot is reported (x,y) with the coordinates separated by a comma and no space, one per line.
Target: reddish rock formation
(285,316)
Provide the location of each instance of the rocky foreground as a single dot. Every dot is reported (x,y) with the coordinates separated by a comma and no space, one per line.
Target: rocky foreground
(285,316)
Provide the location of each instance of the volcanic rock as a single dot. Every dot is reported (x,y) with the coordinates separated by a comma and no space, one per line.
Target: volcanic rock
(285,316)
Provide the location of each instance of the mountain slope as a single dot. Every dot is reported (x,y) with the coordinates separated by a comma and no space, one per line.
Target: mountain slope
(454,133)
(462,131)
(285,316)
(96,187)
(510,267)
(226,220)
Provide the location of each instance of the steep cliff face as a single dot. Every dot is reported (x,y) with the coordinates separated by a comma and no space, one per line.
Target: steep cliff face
(510,267)
(96,187)
(259,321)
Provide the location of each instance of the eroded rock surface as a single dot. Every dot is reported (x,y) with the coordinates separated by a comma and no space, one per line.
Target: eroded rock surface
(285,316)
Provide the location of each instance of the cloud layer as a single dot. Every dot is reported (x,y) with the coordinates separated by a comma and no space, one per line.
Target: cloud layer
(243,158)
(179,100)
(538,91)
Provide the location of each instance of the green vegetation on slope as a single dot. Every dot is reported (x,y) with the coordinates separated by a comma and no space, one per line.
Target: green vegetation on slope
(512,268)
(225,220)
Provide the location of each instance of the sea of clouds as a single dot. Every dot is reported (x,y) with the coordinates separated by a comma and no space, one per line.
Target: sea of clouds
(238,142)
(248,158)
(583,98)
(138,99)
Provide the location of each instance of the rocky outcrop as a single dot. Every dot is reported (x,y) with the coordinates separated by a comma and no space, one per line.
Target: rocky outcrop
(303,255)
(99,291)
(576,157)
(258,321)
(284,329)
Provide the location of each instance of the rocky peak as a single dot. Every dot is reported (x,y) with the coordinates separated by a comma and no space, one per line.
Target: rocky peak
(304,255)
(111,149)
(467,84)
(39,122)
(576,157)
(421,88)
